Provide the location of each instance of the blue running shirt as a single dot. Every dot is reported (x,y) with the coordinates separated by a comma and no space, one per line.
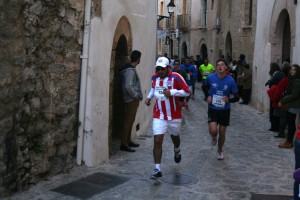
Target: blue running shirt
(219,88)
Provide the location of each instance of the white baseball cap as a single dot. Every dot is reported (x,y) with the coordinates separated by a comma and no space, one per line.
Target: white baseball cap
(162,62)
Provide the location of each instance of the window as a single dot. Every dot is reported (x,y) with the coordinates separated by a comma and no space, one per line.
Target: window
(203,11)
(212,4)
(250,12)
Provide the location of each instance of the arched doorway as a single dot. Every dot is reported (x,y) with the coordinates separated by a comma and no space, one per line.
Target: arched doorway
(121,50)
(228,46)
(281,41)
(116,106)
(203,51)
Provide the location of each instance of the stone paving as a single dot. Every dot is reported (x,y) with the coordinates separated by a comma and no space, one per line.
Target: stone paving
(253,163)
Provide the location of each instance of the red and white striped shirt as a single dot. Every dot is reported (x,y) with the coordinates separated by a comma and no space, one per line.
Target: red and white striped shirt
(168,108)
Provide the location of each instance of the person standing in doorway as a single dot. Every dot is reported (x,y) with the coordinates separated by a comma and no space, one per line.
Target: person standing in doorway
(132,95)
(220,86)
(167,87)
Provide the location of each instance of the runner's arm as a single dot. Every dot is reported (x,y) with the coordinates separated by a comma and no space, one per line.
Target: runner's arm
(235,98)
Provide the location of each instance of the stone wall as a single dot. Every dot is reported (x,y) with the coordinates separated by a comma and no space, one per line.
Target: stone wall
(39,89)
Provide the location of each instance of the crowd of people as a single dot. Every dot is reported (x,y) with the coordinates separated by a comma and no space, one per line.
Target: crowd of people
(284,94)
(229,81)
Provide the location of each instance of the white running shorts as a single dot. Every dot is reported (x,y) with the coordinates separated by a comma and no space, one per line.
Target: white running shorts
(161,126)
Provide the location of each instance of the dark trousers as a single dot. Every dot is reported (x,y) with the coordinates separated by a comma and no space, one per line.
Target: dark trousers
(297,165)
(291,120)
(240,89)
(130,112)
(205,91)
(246,95)
(275,120)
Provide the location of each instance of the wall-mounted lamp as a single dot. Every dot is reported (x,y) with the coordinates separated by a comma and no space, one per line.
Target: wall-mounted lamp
(171,7)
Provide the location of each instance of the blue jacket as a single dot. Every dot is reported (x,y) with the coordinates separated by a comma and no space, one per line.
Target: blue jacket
(192,73)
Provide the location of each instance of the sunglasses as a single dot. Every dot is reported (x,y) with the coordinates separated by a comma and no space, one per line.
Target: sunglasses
(160,68)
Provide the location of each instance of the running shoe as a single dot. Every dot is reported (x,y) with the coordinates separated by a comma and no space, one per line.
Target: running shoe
(221,155)
(187,107)
(177,156)
(156,174)
(214,141)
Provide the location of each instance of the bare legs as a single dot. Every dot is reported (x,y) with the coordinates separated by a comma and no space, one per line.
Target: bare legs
(157,148)
(214,130)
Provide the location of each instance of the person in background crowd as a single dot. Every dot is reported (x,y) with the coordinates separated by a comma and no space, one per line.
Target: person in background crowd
(276,92)
(276,77)
(233,70)
(220,86)
(172,61)
(192,74)
(132,95)
(193,63)
(292,101)
(247,83)
(183,74)
(167,86)
(205,70)
(242,59)
(229,61)
(199,62)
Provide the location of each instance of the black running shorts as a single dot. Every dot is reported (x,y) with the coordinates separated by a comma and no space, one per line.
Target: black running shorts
(222,117)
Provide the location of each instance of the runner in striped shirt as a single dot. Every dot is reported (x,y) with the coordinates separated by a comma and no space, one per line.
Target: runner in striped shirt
(167,87)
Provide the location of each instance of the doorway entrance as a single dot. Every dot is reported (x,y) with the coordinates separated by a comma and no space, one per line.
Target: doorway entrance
(120,56)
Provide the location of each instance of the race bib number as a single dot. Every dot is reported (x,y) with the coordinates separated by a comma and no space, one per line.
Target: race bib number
(218,101)
(206,73)
(159,93)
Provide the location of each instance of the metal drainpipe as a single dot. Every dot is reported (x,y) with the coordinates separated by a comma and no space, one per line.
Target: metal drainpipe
(84,67)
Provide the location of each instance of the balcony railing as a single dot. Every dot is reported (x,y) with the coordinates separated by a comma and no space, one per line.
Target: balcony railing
(169,23)
(182,21)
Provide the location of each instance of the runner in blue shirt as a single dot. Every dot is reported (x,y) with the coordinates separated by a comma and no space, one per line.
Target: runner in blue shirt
(220,86)
(191,78)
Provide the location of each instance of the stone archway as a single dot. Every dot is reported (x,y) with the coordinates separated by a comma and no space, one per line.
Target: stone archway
(281,41)
(184,49)
(282,30)
(203,51)
(122,47)
(228,46)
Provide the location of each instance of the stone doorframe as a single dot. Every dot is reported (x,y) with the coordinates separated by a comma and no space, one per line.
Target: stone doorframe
(281,10)
(121,50)
(202,49)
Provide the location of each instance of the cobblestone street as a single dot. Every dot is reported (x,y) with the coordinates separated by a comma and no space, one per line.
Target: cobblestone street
(253,163)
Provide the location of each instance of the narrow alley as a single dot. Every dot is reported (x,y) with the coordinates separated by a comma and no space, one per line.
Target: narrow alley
(253,168)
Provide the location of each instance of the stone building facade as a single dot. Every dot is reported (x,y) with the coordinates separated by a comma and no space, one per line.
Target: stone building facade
(277,38)
(59,83)
(265,31)
(223,28)
(180,22)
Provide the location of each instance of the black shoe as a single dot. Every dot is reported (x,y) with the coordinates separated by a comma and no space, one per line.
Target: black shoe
(132,144)
(156,174)
(273,130)
(126,148)
(177,156)
(279,136)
